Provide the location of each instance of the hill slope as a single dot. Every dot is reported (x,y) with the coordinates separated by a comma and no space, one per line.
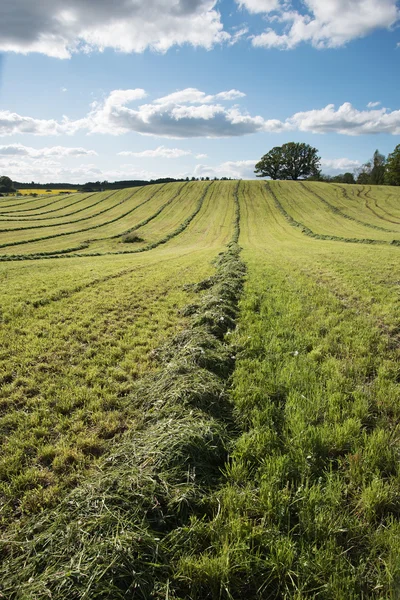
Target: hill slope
(173,429)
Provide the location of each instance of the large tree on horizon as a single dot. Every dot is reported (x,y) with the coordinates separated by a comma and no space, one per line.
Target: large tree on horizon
(6,184)
(290,161)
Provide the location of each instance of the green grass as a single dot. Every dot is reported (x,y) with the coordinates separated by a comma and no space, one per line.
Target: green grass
(169,433)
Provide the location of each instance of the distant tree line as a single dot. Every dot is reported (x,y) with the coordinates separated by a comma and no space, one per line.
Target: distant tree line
(8,187)
(379,170)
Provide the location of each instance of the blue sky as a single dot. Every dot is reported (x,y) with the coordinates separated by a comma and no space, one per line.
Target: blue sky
(193,87)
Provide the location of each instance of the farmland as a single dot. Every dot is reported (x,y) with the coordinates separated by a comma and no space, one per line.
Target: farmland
(43,191)
(200,392)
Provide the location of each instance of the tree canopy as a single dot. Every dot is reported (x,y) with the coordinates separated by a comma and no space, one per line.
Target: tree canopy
(6,185)
(392,175)
(290,161)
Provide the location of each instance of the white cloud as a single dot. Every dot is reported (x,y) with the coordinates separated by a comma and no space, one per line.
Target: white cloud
(373,104)
(160,152)
(59,28)
(201,156)
(188,118)
(230,95)
(346,120)
(239,169)
(259,6)
(341,165)
(46,171)
(195,96)
(55,151)
(323,24)
(183,114)
(238,35)
(12,123)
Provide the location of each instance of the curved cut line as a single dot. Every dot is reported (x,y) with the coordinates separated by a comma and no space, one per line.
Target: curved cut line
(49,237)
(320,236)
(67,254)
(337,211)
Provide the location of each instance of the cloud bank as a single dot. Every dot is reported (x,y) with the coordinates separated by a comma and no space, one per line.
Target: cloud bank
(60,28)
(322,23)
(191,113)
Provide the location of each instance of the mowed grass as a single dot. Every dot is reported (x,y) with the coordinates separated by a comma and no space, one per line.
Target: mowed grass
(275,474)
(103,232)
(316,207)
(309,502)
(76,336)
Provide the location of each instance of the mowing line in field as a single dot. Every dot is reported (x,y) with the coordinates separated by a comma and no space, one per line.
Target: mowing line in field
(82,198)
(25,218)
(75,220)
(92,216)
(145,221)
(336,210)
(56,199)
(118,218)
(183,406)
(366,197)
(377,214)
(375,201)
(320,236)
(164,240)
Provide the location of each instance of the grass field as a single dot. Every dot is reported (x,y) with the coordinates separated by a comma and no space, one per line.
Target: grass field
(200,393)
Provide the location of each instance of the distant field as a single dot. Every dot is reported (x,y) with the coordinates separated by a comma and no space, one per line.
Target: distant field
(44,191)
(200,392)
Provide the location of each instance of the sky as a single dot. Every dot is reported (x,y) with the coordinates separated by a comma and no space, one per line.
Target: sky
(98,90)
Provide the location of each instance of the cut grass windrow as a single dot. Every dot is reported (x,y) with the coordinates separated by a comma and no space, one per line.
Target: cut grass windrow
(374,200)
(150,218)
(339,212)
(111,537)
(320,236)
(118,218)
(74,220)
(54,200)
(164,240)
(67,293)
(24,219)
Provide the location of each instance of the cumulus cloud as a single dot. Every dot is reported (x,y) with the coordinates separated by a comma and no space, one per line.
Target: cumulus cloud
(339,164)
(59,28)
(195,96)
(239,169)
(373,104)
(260,6)
(160,152)
(55,151)
(185,114)
(327,24)
(46,170)
(346,120)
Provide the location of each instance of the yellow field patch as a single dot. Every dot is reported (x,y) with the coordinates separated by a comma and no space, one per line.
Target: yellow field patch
(46,191)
